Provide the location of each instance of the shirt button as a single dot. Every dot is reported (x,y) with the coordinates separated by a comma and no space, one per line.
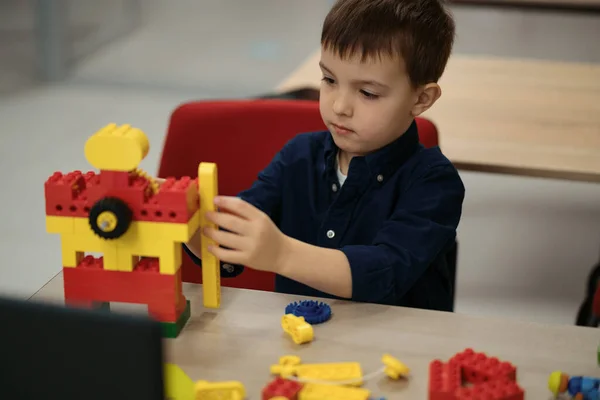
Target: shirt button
(334,187)
(330,234)
(379,178)
(229,268)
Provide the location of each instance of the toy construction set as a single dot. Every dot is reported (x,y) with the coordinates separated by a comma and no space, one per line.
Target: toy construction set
(139,226)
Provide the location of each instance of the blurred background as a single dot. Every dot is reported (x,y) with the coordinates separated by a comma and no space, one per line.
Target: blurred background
(68,67)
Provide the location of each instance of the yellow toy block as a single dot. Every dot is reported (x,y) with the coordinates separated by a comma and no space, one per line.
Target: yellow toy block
(394,368)
(150,239)
(313,391)
(347,373)
(300,330)
(178,386)
(211,269)
(56,224)
(231,390)
(117,148)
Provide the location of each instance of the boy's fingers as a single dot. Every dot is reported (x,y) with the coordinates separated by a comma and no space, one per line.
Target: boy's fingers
(226,239)
(230,222)
(236,205)
(226,255)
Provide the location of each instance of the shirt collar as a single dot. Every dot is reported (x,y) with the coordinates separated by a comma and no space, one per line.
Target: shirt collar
(383,161)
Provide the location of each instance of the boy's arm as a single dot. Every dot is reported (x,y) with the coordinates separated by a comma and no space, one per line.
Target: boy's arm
(265,194)
(422,225)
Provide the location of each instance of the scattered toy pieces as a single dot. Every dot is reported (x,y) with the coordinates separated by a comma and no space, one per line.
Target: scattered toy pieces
(300,330)
(314,312)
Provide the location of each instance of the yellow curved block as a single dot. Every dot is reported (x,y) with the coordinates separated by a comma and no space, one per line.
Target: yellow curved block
(229,390)
(117,148)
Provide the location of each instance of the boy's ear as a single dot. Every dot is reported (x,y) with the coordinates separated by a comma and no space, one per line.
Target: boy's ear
(427,95)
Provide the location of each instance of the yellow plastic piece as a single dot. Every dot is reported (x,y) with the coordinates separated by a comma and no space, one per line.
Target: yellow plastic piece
(211,268)
(178,386)
(153,183)
(313,391)
(231,390)
(300,330)
(107,221)
(554,382)
(56,224)
(328,372)
(150,239)
(394,368)
(117,148)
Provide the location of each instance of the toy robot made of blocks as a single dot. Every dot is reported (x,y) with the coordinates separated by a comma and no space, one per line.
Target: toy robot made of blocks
(136,224)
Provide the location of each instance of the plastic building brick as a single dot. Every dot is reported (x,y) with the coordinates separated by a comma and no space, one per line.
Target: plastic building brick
(211,269)
(579,387)
(314,391)
(347,373)
(178,386)
(230,390)
(394,368)
(314,312)
(487,377)
(137,226)
(300,330)
(281,388)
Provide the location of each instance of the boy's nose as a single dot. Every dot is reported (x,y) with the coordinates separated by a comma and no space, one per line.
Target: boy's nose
(342,106)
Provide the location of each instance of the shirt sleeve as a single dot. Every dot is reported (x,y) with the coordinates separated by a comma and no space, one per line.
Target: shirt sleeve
(423,223)
(264,194)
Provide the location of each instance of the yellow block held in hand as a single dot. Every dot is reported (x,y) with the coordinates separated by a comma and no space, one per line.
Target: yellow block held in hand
(211,265)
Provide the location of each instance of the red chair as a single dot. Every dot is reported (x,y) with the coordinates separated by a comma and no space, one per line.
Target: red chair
(241,137)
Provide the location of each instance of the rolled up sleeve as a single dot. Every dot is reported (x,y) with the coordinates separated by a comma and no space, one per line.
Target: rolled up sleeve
(423,223)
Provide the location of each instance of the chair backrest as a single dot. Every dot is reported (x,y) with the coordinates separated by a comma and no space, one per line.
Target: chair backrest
(241,137)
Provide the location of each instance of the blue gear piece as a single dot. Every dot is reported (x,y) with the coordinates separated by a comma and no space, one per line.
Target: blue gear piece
(314,312)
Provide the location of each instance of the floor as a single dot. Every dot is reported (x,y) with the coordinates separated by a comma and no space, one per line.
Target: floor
(526,245)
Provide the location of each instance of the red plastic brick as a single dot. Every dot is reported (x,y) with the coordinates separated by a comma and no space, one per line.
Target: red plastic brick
(75,193)
(89,283)
(487,378)
(444,380)
(502,389)
(282,387)
(478,367)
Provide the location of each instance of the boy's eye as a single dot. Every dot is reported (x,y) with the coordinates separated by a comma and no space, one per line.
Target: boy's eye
(369,95)
(328,80)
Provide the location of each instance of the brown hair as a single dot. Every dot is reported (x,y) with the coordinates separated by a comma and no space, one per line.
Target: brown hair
(420,31)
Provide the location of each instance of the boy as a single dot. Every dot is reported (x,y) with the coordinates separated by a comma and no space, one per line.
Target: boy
(361,211)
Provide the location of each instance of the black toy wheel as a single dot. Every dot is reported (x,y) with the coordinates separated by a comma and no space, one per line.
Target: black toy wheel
(110,218)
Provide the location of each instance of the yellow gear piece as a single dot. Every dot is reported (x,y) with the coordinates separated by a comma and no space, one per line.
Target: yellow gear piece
(117,148)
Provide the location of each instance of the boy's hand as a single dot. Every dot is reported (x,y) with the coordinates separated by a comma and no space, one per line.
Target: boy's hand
(251,237)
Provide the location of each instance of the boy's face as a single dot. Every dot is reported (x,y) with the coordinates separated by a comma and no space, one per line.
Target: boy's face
(366,104)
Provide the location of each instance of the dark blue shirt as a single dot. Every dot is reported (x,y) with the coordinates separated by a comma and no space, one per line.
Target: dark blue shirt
(394,218)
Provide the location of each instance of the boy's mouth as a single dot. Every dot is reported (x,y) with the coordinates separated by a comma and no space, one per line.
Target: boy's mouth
(341,130)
